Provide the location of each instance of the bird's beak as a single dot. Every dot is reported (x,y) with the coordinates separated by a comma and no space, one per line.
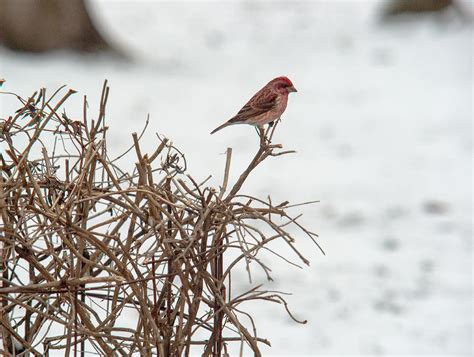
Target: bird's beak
(291,89)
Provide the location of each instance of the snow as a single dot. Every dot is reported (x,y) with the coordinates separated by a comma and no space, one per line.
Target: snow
(382,125)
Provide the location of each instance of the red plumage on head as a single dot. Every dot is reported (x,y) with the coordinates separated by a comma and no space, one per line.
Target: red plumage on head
(283,79)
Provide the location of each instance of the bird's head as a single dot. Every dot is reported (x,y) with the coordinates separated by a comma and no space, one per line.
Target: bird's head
(282,85)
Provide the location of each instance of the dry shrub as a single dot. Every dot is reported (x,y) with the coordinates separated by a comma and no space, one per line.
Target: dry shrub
(113,261)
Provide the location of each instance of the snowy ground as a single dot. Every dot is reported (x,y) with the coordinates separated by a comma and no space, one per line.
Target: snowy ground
(382,126)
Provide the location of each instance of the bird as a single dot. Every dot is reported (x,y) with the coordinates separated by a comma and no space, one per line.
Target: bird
(266,106)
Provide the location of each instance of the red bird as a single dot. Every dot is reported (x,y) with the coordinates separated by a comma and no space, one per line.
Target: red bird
(266,106)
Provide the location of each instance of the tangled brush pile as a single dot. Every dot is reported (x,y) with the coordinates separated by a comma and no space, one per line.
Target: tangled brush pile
(102,259)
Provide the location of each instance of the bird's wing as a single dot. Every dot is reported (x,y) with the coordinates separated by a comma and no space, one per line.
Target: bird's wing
(263,101)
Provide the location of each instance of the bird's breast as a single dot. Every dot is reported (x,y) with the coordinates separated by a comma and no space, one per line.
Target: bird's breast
(281,102)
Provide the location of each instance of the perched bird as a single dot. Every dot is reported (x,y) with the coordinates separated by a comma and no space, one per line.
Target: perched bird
(266,106)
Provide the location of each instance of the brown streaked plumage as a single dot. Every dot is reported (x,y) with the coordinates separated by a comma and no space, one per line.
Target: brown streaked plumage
(266,106)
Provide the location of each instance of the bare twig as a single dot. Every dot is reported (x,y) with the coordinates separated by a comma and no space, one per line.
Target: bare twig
(82,240)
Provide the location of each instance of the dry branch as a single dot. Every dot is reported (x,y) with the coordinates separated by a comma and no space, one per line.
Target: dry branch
(102,259)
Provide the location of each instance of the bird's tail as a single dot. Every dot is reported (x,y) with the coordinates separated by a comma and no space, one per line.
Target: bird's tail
(221,127)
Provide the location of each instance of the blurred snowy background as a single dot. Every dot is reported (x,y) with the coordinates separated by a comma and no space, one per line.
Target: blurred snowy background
(382,124)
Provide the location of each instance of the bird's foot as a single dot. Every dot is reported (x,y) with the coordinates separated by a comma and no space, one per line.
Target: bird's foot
(265,140)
